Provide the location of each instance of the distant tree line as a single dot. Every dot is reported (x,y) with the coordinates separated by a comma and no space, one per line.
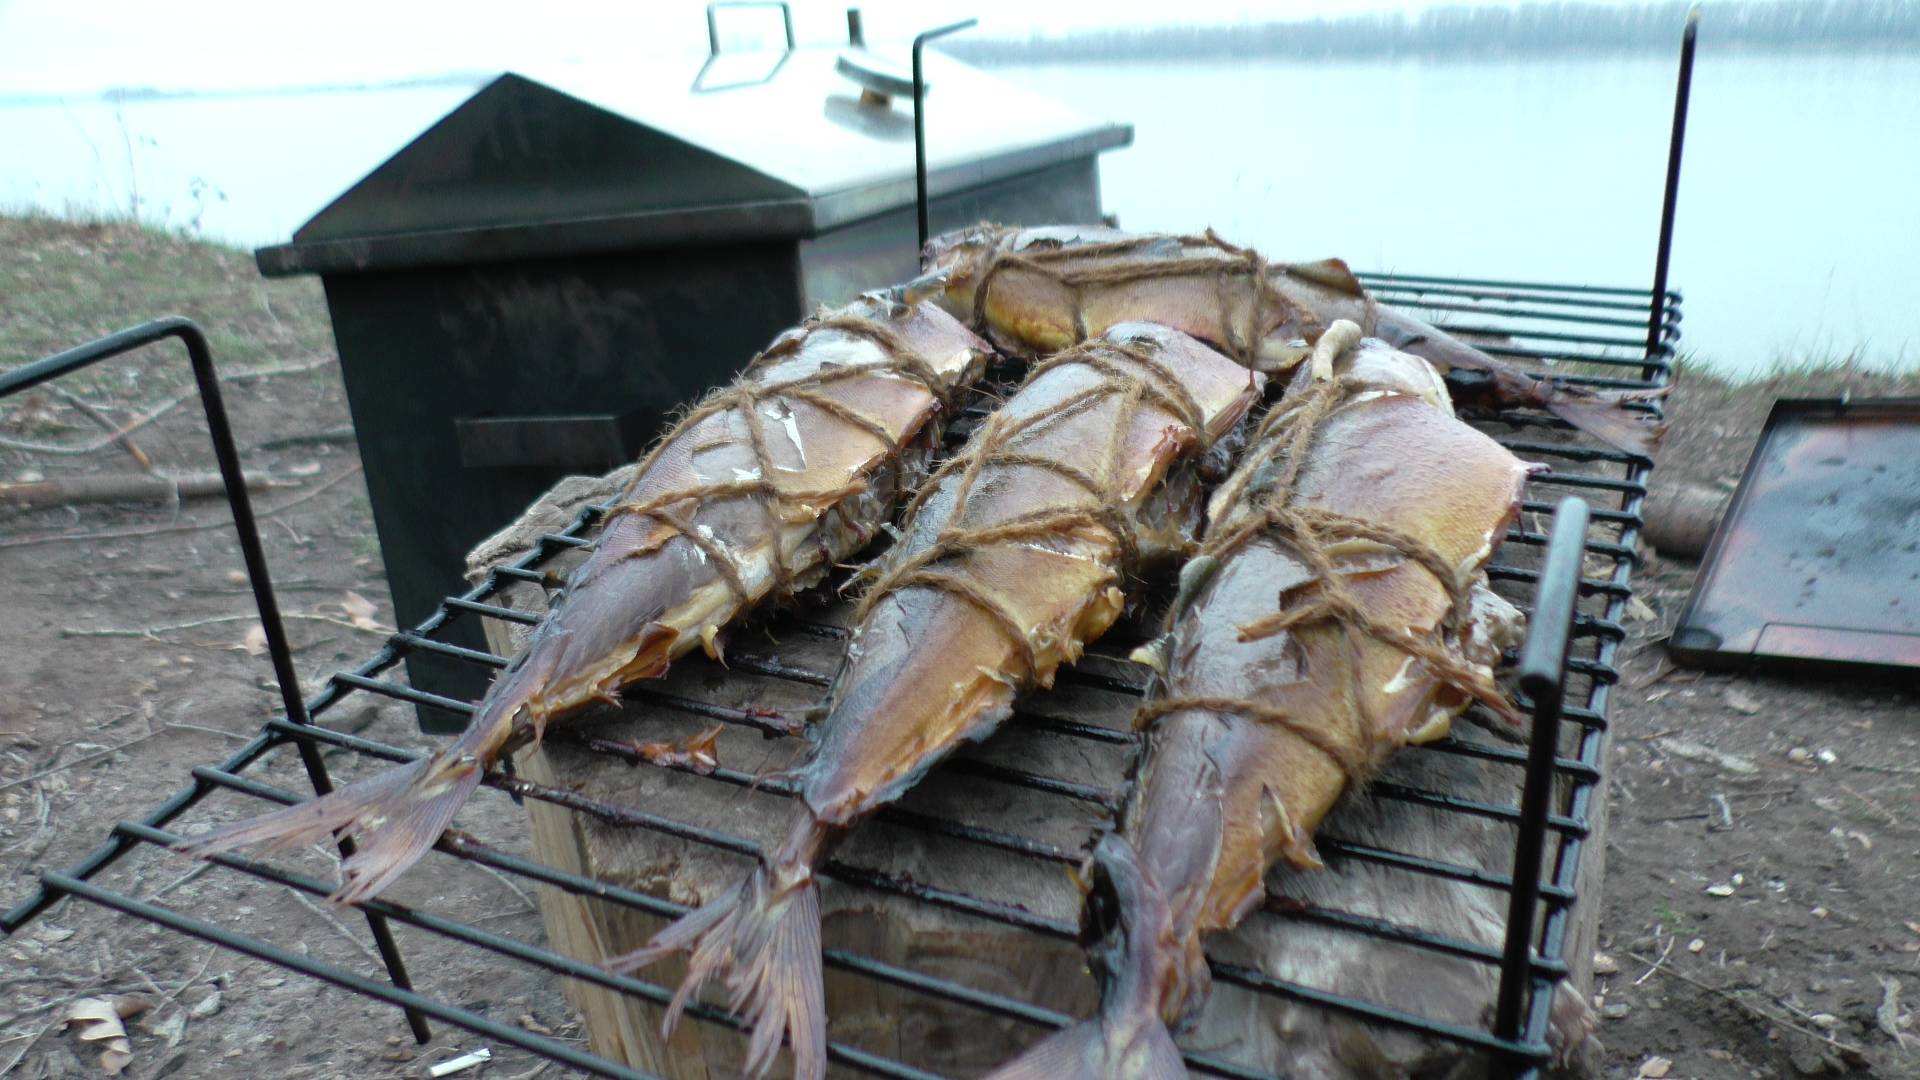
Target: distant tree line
(1480,31)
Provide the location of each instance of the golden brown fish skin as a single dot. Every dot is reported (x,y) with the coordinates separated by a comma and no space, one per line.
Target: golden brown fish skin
(1223,792)
(1008,564)
(1041,289)
(724,513)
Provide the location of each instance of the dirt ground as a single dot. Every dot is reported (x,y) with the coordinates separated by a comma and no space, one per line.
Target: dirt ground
(129,659)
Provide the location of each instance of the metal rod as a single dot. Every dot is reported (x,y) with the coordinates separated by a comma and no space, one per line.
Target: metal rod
(346,980)
(920,120)
(1543,675)
(200,354)
(1683,90)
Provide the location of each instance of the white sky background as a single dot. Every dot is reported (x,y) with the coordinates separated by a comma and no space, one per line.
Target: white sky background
(84,46)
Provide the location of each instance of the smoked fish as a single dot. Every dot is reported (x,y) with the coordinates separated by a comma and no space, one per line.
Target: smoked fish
(1337,610)
(1009,562)
(1035,291)
(753,495)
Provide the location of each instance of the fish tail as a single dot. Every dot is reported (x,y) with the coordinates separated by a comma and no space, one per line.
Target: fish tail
(1143,980)
(763,939)
(395,816)
(1606,417)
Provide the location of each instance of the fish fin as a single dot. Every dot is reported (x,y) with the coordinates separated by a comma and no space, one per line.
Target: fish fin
(764,940)
(1605,417)
(1086,1051)
(1333,273)
(1129,1036)
(396,816)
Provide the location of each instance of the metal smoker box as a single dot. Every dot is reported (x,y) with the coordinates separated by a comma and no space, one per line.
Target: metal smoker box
(531,286)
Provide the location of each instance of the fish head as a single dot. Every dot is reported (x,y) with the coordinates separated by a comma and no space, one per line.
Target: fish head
(954,263)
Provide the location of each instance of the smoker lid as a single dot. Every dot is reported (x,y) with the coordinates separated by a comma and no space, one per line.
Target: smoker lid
(568,159)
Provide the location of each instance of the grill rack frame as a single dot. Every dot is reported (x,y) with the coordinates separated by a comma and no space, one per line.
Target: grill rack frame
(1530,976)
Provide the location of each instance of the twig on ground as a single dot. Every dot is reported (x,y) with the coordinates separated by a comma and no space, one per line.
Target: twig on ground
(179,881)
(512,887)
(22,1052)
(158,530)
(1749,1006)
(113,430)
(157,411)
(1648,974)
(166,628)
(209,730)
(192,980)
(96,756)
(1892,822)
(1892,770)
(335,923)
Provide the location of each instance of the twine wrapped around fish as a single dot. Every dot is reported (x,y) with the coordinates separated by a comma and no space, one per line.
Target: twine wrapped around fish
(1035,291)
(717,519)
(743,398)
(1007,566)
(1327,619)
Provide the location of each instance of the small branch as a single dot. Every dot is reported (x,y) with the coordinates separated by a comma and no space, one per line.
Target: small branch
(95,756)
(165,628)
(335,923)
(126,442)
(159,530)
(157,411)
(1656,963)
(1749,1006)
(128,487)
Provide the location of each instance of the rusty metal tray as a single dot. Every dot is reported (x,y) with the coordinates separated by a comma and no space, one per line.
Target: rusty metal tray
(1817,561)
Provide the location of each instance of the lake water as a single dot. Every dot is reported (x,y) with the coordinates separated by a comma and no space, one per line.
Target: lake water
(1799,205)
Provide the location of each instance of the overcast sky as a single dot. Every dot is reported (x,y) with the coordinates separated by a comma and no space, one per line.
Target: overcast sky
(83,46)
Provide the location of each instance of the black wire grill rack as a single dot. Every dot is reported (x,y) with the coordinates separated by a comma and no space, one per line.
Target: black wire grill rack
(1568,562)
(1570,565)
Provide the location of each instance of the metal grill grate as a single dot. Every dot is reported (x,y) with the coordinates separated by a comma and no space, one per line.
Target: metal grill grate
(1576,332)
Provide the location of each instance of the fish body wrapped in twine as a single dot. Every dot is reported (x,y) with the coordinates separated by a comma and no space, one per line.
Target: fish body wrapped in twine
(752,496)
(1034,291)
(1010,562)
(1336,611)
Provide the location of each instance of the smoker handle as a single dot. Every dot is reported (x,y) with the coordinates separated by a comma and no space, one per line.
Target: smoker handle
(1543,675)
(713,21)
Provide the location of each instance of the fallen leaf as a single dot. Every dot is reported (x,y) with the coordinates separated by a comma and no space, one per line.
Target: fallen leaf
(102,1020)
(206,1006)
(1638,611)
(1655,1067)
(172,1029)
(305,468)
(1605,965)
(255,641)
(359,610)
(1887,1016)
(1742,702)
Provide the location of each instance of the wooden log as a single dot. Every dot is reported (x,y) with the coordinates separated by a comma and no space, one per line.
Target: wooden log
(1043,968)
(1681,518)
(125,487)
